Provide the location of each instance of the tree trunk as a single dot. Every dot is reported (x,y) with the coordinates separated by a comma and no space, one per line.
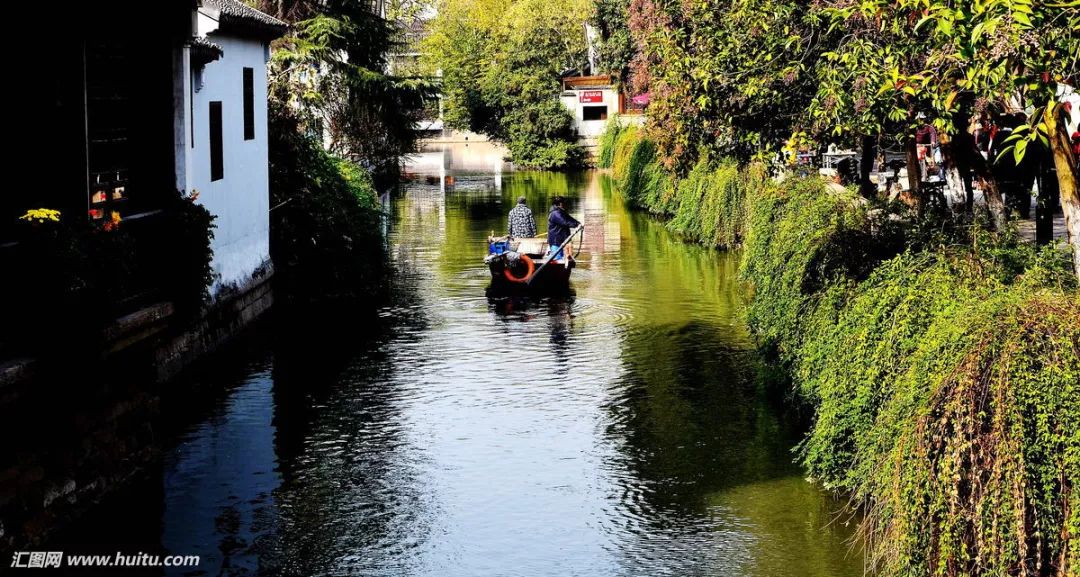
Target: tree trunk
(1065,162)
(958,173)
(962,148)
(913,175)
(869,151)
(988,182)
(1047,202)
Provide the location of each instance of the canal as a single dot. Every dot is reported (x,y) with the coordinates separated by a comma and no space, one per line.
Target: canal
(616,430)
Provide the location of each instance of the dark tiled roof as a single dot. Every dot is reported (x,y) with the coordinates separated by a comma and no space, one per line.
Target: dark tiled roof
(204,51)
(234,15)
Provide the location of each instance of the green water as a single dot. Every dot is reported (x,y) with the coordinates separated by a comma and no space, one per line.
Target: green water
(617,430)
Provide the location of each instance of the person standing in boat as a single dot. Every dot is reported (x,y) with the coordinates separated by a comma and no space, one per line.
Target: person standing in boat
(521,221)
(560,225)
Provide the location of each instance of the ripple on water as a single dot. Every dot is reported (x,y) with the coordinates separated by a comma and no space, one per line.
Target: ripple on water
(616,430)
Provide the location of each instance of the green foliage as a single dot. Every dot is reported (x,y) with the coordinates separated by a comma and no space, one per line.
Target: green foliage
(945,381)
(801,237)
(946,389)
(710,205)
(615,48)
(737,78)
(642,180)
(331,68)
(182,240)
(729,77)
(542,136)
(326,229)
(500,63)
(605,156)
(945,393)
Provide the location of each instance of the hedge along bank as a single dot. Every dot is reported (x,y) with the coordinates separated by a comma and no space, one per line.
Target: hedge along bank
(945,381)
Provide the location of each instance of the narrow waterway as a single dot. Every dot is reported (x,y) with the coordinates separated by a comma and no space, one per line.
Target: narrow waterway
(617,430)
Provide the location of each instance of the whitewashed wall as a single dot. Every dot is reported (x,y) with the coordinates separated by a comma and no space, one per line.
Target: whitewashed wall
(1072,96)
(241,199)
(591,128)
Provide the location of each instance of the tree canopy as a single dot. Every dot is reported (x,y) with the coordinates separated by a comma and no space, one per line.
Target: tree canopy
(500,62)
(331,68)
(739,77)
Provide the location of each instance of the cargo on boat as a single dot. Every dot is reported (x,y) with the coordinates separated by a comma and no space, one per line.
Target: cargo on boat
(530,263)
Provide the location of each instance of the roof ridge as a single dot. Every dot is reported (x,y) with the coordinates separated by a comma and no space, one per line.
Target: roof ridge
(237,13)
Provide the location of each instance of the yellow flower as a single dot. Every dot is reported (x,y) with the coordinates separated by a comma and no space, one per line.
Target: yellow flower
(40,215)
(113,222)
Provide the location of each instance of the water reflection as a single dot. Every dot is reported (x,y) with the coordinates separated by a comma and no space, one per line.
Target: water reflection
(614,430)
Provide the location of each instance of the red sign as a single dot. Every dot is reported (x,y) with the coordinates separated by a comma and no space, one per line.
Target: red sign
(589,96)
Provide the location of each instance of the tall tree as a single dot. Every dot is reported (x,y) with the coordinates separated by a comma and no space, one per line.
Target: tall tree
(500,62)
(332,68)
(1019,55)
(729,76)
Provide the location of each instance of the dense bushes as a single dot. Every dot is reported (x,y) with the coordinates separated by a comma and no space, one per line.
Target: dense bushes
(605,155)
(943,370)
(945,386)
(325,223)
(947,396)
(644,182)
(801,239)
(707,206)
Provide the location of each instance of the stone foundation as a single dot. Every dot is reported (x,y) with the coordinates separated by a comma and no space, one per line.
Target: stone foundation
(71,440)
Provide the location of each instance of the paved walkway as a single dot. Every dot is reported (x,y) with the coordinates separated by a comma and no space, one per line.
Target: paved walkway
(1026,227)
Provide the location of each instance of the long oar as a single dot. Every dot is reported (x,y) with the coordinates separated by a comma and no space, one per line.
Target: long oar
(579,230)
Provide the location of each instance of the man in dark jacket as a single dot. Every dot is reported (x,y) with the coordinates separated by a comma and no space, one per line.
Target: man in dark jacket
(560,224)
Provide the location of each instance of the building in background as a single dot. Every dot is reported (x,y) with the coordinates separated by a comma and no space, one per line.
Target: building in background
(592,100)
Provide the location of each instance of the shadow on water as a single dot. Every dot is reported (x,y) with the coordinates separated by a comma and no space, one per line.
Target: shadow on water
(617,429)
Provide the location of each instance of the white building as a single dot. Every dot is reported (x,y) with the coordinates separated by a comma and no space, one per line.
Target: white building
(592,100)
(221,129)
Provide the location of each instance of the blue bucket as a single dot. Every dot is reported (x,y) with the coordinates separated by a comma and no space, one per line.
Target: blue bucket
(498,247)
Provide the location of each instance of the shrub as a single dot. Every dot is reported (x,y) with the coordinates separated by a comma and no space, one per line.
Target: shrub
(946,393)
(605,156)
(945,381)
(325,226)
(802,237)
(710,205)
(183,253)
(71,276)
(542,135)
(641,179)
(556,154)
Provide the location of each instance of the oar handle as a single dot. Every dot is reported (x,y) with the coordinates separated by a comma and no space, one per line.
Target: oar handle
(579,230)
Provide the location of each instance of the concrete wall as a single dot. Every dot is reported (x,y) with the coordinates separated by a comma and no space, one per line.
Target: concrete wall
(80,445)
(590,128)
(241,199)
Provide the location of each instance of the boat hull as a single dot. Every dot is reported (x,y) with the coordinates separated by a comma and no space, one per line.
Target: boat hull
(554,276)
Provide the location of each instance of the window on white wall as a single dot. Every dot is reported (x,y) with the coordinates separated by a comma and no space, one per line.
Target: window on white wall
(217,156)
(249,104)
(594,112)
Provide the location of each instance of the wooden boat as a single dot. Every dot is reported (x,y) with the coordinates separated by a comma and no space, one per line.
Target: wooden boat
(524,263)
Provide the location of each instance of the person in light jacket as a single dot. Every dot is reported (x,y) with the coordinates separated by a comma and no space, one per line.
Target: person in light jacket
(521,221)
